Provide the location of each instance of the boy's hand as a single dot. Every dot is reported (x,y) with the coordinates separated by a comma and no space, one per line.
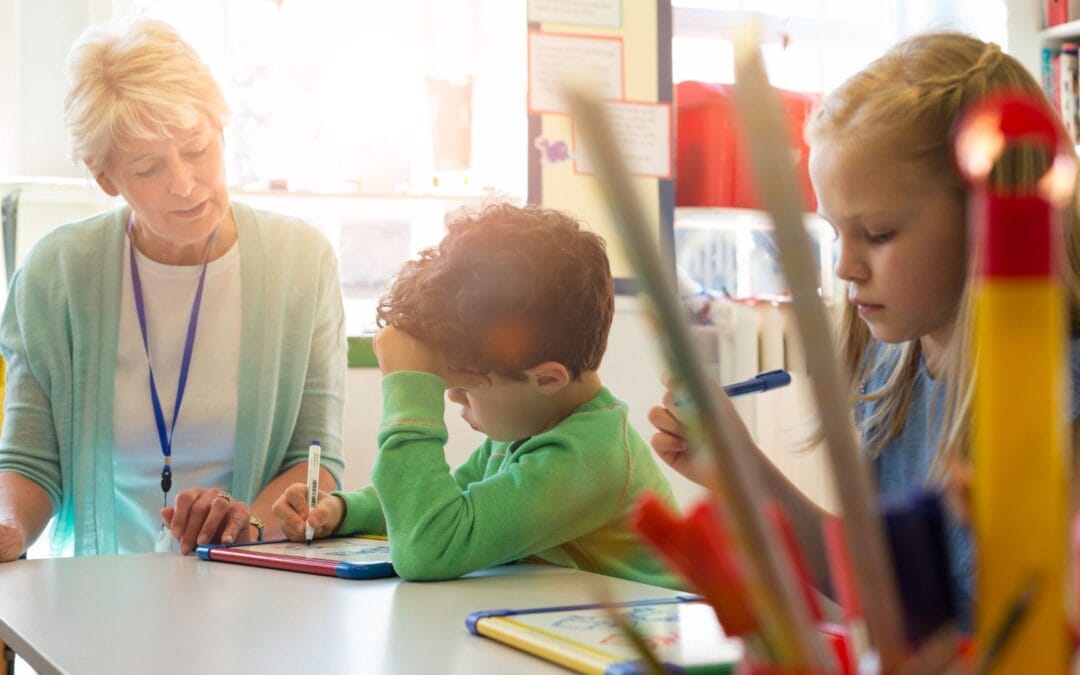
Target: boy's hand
(397,350)
(292,508)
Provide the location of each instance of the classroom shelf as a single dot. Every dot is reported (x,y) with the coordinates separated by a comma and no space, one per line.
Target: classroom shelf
(1062,32)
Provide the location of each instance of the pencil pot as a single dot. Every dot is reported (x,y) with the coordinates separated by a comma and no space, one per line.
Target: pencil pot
(745,668)
(835,638)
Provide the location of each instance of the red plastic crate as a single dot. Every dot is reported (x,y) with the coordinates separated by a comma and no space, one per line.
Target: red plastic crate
(712,165)
(1057,11)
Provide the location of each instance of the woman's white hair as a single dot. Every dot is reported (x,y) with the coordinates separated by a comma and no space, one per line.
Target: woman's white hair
(136,80)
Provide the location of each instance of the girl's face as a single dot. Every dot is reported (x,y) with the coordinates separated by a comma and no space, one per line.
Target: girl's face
(902,241)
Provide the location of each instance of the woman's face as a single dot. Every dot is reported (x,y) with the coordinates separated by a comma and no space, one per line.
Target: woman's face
(175,186)
(902,241)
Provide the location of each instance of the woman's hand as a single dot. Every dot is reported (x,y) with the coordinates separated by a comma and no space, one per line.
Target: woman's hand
(12,540)
(292,508)
(397,350)
(202,516)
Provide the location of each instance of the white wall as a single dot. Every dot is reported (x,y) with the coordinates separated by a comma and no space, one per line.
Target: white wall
(34,39)
(44,30)
(9,82)
(1023,22)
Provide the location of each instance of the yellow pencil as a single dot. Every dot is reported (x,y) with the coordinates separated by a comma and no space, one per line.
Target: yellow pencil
(1019,420)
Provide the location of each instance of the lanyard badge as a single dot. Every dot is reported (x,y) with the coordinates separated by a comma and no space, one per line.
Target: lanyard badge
(165,435)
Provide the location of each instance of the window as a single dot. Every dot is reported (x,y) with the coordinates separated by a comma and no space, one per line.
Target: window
(813,45)
(370,120)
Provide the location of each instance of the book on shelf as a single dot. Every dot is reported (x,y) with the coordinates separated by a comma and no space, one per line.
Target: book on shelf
(1068,74)
(1059,74)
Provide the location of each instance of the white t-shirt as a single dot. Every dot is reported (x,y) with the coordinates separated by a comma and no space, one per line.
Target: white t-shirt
(204,440)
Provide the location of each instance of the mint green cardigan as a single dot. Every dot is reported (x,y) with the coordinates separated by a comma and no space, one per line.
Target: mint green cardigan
(59,335)
(563,495)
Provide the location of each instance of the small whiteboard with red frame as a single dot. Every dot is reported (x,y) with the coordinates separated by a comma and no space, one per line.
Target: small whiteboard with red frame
(356,557)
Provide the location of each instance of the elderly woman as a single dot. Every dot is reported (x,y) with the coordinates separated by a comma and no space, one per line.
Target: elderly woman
(172,351)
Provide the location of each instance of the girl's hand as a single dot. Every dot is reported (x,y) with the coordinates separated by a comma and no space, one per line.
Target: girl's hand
(292,509)
(671,444)
(958,490)
(202,516)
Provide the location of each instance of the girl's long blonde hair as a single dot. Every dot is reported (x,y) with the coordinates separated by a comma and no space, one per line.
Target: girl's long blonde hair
(906,102)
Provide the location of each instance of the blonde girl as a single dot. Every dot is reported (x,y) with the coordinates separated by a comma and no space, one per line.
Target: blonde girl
(881,166)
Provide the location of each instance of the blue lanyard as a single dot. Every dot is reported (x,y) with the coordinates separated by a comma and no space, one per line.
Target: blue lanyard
(165,437)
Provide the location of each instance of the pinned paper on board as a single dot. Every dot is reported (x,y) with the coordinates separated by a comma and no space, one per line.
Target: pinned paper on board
(554,57)
(599,13)
(643,131)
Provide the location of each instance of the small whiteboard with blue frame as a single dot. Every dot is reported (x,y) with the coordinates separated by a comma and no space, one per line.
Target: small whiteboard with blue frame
(353,557)
(683,632)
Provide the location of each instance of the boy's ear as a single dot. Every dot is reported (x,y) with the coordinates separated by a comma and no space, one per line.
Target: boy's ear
(550,377)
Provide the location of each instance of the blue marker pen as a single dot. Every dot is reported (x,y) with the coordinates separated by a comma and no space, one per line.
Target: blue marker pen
(772,379)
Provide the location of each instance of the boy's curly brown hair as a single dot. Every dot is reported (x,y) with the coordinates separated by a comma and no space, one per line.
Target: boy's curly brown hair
(506,289)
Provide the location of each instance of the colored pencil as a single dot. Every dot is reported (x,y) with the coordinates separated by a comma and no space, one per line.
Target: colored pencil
(773,587)
(762,122)
(1019,422)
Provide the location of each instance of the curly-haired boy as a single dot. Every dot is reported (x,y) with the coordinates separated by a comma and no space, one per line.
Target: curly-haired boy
(509,314)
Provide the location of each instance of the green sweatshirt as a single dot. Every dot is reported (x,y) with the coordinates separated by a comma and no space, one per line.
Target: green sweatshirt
(562,495)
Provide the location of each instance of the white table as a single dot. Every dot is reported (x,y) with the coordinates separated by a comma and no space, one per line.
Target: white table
(163,613)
